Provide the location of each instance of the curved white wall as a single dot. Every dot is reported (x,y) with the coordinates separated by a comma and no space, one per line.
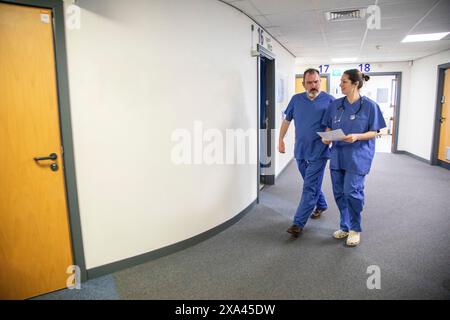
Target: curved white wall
(138,70)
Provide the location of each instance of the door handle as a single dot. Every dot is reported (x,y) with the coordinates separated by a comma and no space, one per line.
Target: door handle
(52,156)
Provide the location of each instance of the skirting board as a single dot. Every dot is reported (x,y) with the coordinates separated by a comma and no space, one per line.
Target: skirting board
(146,257)
(413,156)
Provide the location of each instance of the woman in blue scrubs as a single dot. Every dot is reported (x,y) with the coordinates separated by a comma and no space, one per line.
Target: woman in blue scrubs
(360,119)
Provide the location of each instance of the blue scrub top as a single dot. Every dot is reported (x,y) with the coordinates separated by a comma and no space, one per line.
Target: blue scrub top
(308,115)
(353,157)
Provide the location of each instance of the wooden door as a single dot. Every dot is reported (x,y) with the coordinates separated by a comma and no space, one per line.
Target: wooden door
(35,247)
(444,136)
(299,86)
(324,84)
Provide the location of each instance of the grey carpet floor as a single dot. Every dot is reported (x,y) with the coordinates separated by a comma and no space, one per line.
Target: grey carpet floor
(406,223)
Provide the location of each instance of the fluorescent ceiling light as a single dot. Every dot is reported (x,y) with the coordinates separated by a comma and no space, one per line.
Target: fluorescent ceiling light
(425,37)
(340,60)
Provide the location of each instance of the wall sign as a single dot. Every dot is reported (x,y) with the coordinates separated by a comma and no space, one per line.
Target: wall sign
(45,18)
(323,68)
(364,67)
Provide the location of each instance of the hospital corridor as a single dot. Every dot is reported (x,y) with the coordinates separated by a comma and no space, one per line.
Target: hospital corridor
(224,150)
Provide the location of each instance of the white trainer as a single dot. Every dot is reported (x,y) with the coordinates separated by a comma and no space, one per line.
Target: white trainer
(353,238)
(340,234)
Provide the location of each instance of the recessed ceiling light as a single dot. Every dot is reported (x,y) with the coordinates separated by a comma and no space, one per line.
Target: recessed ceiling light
(425,37)
(340,60)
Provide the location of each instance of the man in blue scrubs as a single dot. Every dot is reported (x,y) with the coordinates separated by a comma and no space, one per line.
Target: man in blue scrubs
(307,110)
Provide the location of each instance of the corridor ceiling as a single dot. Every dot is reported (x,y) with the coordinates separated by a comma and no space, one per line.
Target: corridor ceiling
(301,26)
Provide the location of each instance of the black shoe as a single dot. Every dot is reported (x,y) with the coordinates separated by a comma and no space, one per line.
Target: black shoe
(317,213)
(294,230)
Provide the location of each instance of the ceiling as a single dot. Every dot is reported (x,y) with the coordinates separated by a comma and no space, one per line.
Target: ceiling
(302,28)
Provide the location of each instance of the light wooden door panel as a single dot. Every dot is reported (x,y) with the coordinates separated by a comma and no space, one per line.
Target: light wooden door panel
(35,248)
(444,136)
(299,86)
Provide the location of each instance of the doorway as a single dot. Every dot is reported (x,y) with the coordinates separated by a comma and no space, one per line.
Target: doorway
(266,123)
(384,89)
(40,227)
(440,154)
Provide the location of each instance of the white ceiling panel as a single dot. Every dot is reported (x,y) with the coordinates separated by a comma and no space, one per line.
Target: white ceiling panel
(293,18)
(276,7)
(342,4)
(246,6)
(413,8)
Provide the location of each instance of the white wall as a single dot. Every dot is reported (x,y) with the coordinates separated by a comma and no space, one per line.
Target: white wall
(285,66)
(138,70)
(418,125)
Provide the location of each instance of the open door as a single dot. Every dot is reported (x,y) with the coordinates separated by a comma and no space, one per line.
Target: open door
(266,119)
(384,88)
(444,121)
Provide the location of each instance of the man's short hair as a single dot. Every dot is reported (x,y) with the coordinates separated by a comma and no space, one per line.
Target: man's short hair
(310,70)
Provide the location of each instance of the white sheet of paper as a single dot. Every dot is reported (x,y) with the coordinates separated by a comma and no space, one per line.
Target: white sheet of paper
(334,135)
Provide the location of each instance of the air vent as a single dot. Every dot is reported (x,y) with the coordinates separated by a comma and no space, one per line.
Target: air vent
(345,15)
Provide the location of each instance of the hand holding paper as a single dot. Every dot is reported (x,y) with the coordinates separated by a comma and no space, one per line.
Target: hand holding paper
(334,135)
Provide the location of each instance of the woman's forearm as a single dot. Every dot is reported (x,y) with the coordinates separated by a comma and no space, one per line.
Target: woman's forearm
(366,136)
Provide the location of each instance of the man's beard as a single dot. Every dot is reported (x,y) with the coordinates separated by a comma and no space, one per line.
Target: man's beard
(313,93)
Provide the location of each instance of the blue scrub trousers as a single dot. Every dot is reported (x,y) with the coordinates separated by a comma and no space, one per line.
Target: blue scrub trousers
(312,196)
(348,189)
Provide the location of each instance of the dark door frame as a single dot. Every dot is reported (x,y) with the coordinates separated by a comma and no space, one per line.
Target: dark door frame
(57,9)
(398,75)
(270,60)
(437,118)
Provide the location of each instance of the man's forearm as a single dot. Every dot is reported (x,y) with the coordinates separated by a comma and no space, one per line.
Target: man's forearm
(284,129)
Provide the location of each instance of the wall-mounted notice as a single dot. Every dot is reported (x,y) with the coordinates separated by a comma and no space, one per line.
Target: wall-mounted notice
(45,18)
(280,90)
